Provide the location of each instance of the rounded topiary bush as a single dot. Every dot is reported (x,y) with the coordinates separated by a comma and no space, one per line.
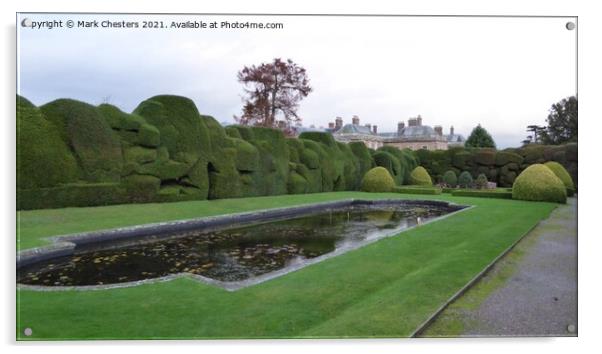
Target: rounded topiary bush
(465,179)
(481,181)
(421,177)
(564,176)
(450,178)
(377,179)
(391,163)
(539,183)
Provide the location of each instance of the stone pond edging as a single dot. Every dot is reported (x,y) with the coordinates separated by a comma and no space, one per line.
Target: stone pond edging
(65,245)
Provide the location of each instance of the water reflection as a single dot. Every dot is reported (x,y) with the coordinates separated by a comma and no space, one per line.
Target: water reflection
(230,255)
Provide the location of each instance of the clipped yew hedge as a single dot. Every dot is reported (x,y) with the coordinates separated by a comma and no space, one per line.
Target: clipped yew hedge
(420,176)
(77,154)
(417,190)
(500,194)
(539,183)
(499,166)
(564,176)
(377,180)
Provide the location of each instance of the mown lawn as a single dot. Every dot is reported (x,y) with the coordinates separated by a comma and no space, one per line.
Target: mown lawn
(385,289)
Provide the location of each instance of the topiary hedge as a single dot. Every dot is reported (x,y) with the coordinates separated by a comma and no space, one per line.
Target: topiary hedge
(564,176)
(43,157)
(377,180)
(96,147)
(485,157)
(482,193)
(505,157)
(391,163)
(364,159)
(71,195)
(407,162)
(539,183)
(420,176)
(417,190)
(167,151)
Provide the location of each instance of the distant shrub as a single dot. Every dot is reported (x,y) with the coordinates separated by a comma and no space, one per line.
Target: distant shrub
(564,176)
(450,179)
(481,181)
(465,179)
(377,179)
(421,177)
(539,183)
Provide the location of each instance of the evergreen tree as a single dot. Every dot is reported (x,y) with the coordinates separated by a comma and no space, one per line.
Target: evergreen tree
(480,138)
(562,122)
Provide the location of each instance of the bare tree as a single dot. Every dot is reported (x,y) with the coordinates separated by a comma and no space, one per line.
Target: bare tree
(273,90)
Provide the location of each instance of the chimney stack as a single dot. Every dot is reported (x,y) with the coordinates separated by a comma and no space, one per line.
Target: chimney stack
(367,125)
(374,130)
(412,122)
(338,123)
(400,127)
(451,130)
(419,120)
(439,130)
(355,120)
(330,125)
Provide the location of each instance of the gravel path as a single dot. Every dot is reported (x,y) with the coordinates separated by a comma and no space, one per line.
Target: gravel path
(537,291)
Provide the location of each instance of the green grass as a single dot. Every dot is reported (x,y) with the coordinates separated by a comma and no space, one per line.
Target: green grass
(385,289)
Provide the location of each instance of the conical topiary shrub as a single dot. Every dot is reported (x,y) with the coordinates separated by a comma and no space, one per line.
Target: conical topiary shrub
(481,181)
(420,176)
(450,179)
(564,176)
(465,180)
(377,180)
(539,183)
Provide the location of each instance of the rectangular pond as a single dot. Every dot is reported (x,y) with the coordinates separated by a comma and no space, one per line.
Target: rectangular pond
(236,254)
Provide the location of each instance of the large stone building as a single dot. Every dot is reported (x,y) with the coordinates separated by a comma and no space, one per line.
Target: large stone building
(355,132)
(414,136)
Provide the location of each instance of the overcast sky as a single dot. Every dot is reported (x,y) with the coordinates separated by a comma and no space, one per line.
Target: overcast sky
(503,73)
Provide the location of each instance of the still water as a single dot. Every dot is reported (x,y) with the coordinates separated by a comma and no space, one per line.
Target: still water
(231,254)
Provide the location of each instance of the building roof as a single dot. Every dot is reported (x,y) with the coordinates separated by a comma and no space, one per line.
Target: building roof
(418,131)
(414,133)
(455,138)
(354,129)
(300,130)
